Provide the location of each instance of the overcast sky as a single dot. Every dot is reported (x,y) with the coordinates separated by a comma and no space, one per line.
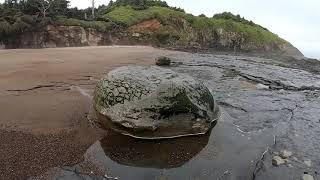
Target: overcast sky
(297,21)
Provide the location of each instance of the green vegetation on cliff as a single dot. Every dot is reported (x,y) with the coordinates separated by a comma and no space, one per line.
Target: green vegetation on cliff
(177,27)
(30,15)
(98,25)
(128,16)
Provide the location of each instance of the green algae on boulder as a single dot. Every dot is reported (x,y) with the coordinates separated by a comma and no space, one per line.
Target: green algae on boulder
(154,103)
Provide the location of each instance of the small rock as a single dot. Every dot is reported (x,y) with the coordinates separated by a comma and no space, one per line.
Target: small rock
(307,177)
(262,87)
(308,163)
(277,161)
(163,61)
(285,154)
(136,35)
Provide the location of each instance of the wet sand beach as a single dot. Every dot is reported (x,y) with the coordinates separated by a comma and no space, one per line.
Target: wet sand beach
(44,100)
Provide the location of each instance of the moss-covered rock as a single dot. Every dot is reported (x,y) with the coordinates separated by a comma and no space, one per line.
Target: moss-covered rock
(154,103)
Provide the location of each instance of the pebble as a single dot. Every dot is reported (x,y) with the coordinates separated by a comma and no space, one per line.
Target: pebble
(277,161)
(122,90)
(285,154)
(308,163)
(307,177)
(262,87)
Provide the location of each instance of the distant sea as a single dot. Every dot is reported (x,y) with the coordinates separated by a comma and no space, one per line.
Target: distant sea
(311,53)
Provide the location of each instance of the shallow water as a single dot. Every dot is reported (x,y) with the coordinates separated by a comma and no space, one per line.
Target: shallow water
(225,152)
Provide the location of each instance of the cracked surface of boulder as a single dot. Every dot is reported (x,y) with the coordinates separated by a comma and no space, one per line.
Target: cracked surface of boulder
(154,103)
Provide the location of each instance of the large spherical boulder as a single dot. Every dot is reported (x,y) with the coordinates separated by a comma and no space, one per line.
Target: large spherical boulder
(154,103)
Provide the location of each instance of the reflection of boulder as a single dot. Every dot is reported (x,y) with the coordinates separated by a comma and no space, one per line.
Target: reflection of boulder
(154,103)
(168,153)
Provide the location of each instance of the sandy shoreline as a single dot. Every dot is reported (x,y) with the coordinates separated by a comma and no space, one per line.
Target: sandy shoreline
(44,99)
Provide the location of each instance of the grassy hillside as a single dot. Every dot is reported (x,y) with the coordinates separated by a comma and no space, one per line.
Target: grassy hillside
(128,16)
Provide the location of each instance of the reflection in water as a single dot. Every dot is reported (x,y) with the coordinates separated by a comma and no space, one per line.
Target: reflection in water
(204,157)
(163,154)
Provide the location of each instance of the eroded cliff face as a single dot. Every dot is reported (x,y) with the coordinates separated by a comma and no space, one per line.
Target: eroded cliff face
(179,35)
(58,36)
(68,36)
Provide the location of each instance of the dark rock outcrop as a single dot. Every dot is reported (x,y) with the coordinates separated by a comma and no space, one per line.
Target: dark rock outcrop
(163,61)
(154,103)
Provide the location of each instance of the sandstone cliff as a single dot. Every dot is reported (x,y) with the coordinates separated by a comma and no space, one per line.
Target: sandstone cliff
(58,36)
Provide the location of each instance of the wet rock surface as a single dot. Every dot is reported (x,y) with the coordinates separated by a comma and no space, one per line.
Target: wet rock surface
(287,110)
(256,124)
(154,103)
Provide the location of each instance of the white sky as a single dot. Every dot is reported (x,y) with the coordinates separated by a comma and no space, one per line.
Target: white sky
(297,21)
